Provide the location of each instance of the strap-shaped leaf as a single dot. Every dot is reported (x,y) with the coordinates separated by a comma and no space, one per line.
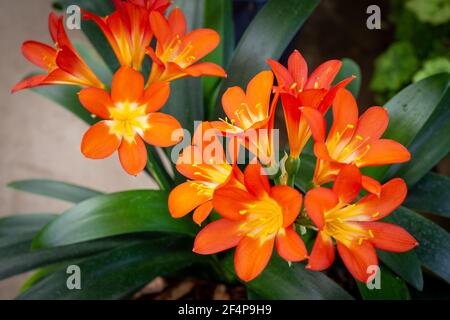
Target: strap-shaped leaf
(431,145)
(118,273)
(267,37)
(406,264)
(55,189)
(434,241)
(350,68)
(410,110)
(390,287)
(281,281)
(218,16)
(113,214)
(431,194)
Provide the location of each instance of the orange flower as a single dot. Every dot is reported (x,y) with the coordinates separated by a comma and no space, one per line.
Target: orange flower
(206,171)
(355,141)
(153,5)
(254,219)
(250,117)
(62,63)
(354,226)
(130,116)
(176,52)
(128,32)
(300,95)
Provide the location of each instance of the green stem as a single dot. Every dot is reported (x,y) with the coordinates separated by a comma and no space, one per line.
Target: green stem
(157,171)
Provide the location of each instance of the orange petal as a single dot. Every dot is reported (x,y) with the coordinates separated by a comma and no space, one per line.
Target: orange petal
(372,123)
(53,21)
(384,151)
(98,143)
(391,197)
(231,102)
(217,236)
(96,101)
(322,254)
(290,201)
(203,41)
(328,99)
(30,82)
(256,180)
(160,27)
(155,96)
(324,75)
(177,22)
(358,258)
(321,152)
(186,197)
(230,202)
(252,256)
(39,54)
(348,183)
(202,212)
(298,68)
(371,185)
(127,85)
(68,61)
(133,155)
(258,92)
(316,123)
(290,246)
(317,202)
(163,131)
(389,237)
(283,76)
(205,69)
(345,116)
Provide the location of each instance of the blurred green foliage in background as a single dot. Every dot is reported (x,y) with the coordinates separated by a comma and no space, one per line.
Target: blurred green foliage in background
(421,46)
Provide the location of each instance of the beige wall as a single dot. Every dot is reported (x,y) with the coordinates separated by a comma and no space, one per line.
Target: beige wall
(38,138)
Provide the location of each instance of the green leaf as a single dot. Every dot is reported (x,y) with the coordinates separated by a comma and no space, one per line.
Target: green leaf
(434,241)
(279,281)
(430,194)
(406,264)
(218,16)
(55,189)
(410,110)
(425,155)
(267,37)
(119,273)
(350,68)
(391,287)
(113,214)
(23,224)
(19,258)
(67,97)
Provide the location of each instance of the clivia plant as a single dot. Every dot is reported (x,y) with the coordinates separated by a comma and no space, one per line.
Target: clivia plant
(235,203)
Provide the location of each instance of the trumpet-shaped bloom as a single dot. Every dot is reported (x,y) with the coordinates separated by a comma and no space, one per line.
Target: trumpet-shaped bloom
(299,91)
(62,62)
(153,5)
(354,140)
(354,227)
(206,172)
(177,52)
(254,220)
(250,117)
(130,118)
(128,32)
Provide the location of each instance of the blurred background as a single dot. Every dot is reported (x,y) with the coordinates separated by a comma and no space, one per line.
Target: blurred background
(41,140)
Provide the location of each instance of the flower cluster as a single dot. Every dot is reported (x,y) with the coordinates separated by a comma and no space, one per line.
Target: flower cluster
(342,207)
